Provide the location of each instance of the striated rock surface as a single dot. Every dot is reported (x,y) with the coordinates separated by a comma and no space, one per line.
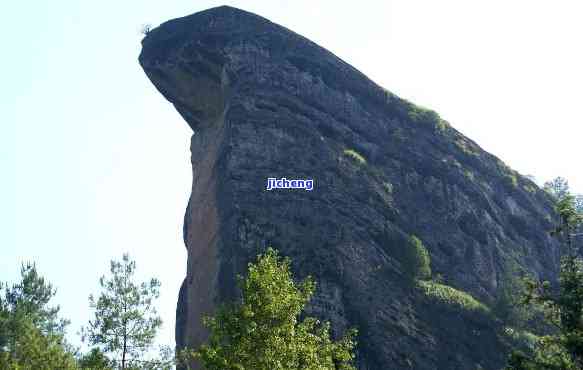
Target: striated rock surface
(265,102)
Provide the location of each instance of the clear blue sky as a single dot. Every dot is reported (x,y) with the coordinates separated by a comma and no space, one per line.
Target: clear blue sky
(95,162)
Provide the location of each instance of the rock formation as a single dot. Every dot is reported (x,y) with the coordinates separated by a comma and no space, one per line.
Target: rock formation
(265,102)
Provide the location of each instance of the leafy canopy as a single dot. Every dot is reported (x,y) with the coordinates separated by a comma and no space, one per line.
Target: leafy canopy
(264,332)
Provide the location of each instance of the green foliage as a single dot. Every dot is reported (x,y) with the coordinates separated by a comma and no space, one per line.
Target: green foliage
(558,188)
(418,114)
(511,179)
(452,297)
(95,360)
(570,218)
(578,204)
(185,357)
(388,187)
(465,147)
(31,349)
(530,188)
(30,299)
(264,332)
(508,305)
(165,360)
(522,338)
(549,354)
(563,308)
(417,261)
(31,333)
(125,321)
(442,126)
(355,155)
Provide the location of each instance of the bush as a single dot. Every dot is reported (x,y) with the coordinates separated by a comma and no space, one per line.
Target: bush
(521,339)
(508,305)
(418,114)
(452,297)
(511,179)
(417,260)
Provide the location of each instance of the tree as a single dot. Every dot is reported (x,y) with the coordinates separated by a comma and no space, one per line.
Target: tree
(264,332)
(564,309)
(31,332)
(32,349)
(125,322)
(30,299)
(95,360)
(507,305)
(417,259)
(579,204)
(558,188)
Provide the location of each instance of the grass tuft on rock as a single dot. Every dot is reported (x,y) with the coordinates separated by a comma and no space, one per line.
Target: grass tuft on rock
(452,297)
(355,155)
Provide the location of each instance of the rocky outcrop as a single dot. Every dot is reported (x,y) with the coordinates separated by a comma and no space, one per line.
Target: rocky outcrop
(265,102)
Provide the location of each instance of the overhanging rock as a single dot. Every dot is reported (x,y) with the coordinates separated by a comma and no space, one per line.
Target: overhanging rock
(265,102)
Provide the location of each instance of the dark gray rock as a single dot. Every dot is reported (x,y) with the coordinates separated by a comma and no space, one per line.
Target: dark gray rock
(266,102)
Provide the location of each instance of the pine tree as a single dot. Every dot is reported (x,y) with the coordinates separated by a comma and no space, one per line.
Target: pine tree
(125,320)
(31,332)
(564,309)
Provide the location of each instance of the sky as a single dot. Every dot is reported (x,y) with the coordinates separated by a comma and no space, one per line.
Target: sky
(94,162)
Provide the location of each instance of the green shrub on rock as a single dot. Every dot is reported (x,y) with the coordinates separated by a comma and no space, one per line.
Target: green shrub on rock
(452,297)
(265,330)
(355,156)
(417,260)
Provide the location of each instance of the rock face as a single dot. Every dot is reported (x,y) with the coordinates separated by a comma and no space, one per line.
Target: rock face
(265,102)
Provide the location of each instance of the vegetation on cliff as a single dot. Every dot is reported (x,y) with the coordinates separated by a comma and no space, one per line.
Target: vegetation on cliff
(264,331)
(355,155)
(563,305)
(452,297)
(416,260)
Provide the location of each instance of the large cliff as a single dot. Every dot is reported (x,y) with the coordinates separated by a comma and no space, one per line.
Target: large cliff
(265,102)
